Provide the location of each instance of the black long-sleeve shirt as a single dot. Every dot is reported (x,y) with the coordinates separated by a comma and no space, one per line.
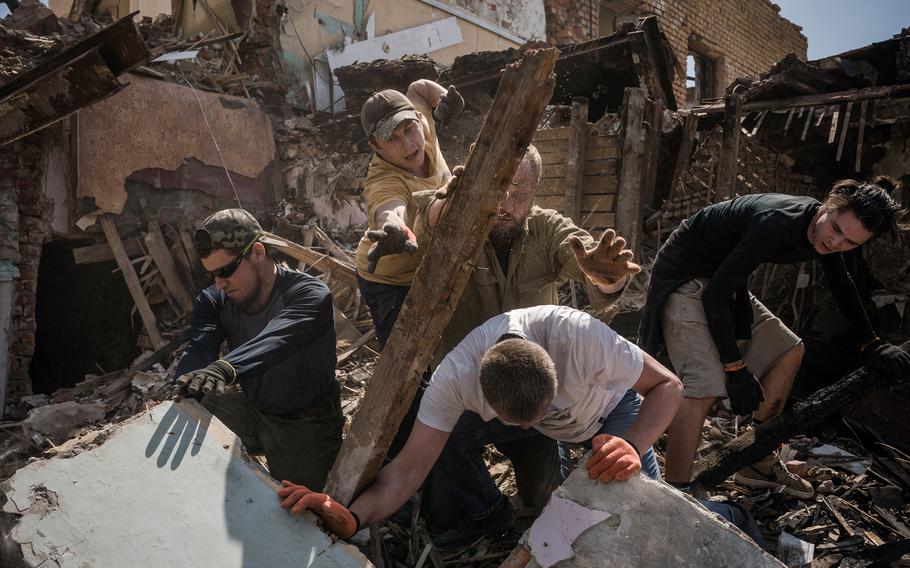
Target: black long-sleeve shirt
(725,243)
(284,355)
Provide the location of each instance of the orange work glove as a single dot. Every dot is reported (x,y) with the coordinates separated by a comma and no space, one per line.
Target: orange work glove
(612,458)
(336,518)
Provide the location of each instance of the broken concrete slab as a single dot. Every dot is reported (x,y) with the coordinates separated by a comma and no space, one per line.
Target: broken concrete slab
(639,522)
(61,420)
(169,487)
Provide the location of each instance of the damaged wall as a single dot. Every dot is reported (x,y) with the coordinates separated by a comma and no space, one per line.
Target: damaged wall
(312,27)
(572,21)
(25,219)
(149,113)
(742,39)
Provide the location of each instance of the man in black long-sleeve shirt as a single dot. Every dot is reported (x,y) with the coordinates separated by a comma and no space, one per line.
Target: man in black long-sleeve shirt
(279,325)
(721,340)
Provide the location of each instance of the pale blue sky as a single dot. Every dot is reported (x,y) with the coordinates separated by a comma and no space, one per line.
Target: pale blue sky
(835,26)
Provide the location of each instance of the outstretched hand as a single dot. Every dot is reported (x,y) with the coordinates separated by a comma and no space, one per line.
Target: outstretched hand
(608,263)
(390,239)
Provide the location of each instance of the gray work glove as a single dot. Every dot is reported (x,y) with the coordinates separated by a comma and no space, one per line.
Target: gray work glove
(449,107)
(390,239)
(744,391)
(212,378)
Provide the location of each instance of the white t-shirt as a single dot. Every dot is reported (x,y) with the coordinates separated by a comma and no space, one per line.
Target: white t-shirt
(595,367)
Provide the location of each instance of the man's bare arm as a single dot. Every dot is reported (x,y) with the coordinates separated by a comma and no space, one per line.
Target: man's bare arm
(662,392)
(400,479)
(426,92)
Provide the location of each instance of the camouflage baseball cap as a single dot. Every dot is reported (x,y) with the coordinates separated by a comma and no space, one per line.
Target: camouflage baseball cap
(384,111)
(231,229)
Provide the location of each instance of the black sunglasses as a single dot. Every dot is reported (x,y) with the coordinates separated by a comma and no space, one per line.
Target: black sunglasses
(228,269)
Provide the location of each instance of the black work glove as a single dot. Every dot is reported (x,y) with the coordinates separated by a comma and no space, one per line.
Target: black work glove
(390,239)
(744,391)
(449,107)
(889,360)
(212,378)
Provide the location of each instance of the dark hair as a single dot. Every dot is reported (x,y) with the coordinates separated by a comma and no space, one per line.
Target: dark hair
(517,378)
(871,202)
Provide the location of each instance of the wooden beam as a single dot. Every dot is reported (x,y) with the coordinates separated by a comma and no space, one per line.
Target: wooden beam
(132,281)
(759,442)
(157,247)
(324,263)
(729,153)
(633,154)
(861,135)
(812,100)
(524,91)
(102,252)
(575,164)
(200,279)
(684,155)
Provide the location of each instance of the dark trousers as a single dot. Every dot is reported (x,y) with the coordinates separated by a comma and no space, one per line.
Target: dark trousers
(384,301)
(534,457)
(300,448)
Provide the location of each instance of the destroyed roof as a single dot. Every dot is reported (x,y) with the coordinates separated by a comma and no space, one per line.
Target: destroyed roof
(600,69)
(50,81)
(881,64)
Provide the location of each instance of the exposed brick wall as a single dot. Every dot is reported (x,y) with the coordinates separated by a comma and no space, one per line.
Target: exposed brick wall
(21,181)
(571,21)
(747,37)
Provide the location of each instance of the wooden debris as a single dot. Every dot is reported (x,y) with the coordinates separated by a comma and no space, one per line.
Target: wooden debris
(760,441)
(132,281)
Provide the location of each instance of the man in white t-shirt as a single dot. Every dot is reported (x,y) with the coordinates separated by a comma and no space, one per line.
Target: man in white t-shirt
(557,370)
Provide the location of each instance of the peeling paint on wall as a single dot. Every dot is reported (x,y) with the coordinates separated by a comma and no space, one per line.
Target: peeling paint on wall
(154,124)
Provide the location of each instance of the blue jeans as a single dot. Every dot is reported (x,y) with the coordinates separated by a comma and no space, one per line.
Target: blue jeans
(384,301)
(535,458)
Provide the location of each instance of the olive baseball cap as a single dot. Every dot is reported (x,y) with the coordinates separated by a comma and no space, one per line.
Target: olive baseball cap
(229,229)
(384,111)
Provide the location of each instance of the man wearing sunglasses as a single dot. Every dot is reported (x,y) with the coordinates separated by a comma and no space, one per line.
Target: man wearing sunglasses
(279,328)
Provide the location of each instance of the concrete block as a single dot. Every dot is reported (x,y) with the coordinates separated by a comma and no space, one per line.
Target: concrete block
(169,487)
(639,522)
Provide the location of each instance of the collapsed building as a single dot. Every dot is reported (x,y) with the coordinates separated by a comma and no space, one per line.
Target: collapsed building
(660,108)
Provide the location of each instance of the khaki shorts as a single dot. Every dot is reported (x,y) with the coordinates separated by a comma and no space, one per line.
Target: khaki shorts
(691,347)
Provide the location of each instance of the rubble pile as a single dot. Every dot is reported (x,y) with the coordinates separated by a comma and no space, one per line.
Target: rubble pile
(95,404)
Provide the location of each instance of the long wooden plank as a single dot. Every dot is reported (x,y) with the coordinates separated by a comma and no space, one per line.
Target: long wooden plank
(157,247)
(524,90)
(591,168)
(592,153)
(598,219)
(132,281)
(574,173)
(726,169)
(331,266)
(634,151)
(813,100)
(604,202)
(594,185)
(561,133)
(102,252)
